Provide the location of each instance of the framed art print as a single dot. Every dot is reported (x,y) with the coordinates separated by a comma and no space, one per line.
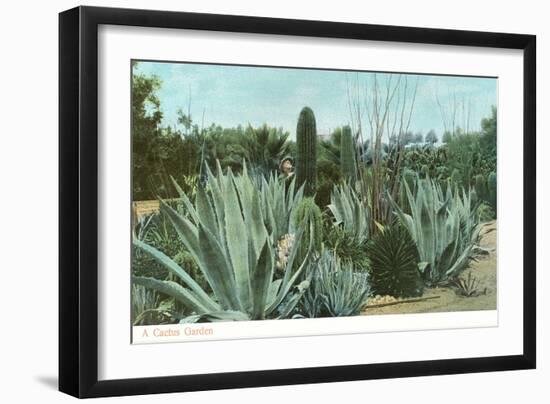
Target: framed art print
(251,201)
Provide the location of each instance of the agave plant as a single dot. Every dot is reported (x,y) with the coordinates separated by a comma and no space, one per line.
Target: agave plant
(336,290)
(467,287)
(233,240)
(350,212)
(444,226)
(394,262)
(277,202)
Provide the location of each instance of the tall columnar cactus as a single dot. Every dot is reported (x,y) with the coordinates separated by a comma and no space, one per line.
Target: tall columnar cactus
(480,187)
(348,163)
(309,216)
(492,190)
(306,144)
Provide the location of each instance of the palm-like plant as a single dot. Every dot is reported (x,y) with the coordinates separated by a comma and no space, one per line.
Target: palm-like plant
(265,148)
(444,226)
(227,233)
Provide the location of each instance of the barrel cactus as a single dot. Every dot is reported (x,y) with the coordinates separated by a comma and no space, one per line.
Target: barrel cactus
(348,163)
(306,149)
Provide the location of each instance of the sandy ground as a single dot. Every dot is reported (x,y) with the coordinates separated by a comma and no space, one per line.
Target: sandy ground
(484,270)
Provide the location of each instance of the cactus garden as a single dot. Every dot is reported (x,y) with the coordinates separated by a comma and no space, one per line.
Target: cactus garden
(292,194)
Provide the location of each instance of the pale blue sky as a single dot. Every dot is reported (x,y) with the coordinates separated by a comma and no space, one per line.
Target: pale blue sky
(232,95)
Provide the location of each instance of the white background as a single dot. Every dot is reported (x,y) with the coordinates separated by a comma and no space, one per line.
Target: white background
(28,167)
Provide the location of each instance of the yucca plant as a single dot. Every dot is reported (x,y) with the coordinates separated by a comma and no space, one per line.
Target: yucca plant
(394,263)
(336,290)
(350,212)
(444,226)
(227,235)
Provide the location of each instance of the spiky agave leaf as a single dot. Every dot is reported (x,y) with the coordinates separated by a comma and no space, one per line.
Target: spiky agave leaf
(349,212)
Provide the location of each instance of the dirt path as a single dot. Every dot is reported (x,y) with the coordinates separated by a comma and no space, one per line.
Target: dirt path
(484,270)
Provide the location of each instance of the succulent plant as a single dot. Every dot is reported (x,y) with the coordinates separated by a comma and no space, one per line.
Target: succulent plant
(350,212)
(335,289)
(394,263)
(444,227)
(467,287)
(226,234)
(308,215)
(306,144)
(348,163)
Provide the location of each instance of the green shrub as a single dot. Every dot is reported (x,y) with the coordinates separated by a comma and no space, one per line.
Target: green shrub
(346,247)
(486,212)
(328,176)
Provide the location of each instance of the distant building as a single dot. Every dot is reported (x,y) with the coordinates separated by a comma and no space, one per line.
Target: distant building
(419,145)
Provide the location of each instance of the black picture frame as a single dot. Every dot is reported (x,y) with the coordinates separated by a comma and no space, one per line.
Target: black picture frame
(78,200)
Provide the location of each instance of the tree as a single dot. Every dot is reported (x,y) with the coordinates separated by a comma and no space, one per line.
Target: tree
(431,137)
(418,138)
(388,104)
(146,119)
